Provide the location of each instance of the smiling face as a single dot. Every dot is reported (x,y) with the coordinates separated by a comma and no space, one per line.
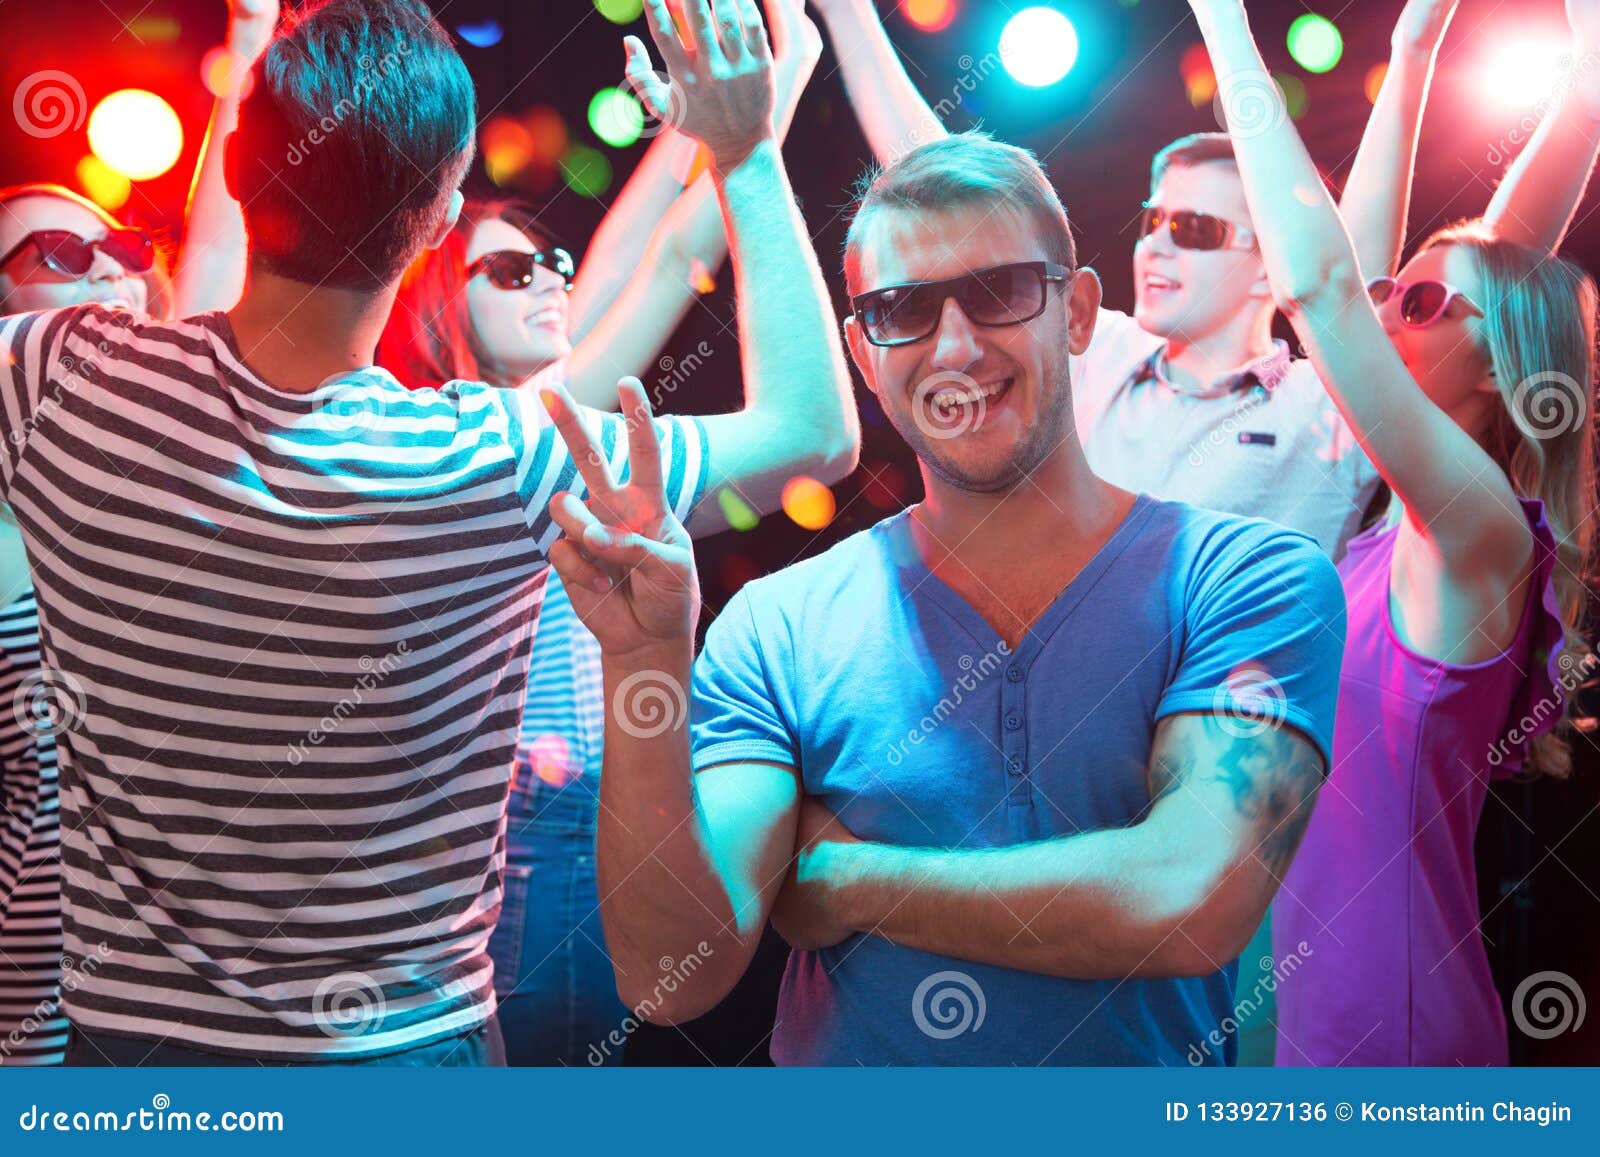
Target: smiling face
(517,332)
(982,407)
(1192,294)
(27,283)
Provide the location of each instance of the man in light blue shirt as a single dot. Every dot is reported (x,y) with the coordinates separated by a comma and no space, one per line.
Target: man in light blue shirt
(1015,772)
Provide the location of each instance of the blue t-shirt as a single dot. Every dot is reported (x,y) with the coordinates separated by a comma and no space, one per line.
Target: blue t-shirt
(908,716)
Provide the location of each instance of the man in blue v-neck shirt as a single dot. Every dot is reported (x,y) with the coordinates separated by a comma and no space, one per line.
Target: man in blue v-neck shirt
(1017,771)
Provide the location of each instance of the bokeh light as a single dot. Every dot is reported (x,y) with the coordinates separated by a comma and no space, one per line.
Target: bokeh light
(1521,72)
(1039,46)
(102,184)
(808,502)
(136,133)
(586,171)
(1295,97)
(507,147)
(736,510)
(1315,43)
(616,117)
(620,11)
(929,15)
(482,34)
(1373,84)
(1199,79)
(221,72)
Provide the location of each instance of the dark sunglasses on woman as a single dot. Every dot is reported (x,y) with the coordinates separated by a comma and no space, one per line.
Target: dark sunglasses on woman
(998,296)
(73,256)
(1421,302)
(1191,230)
(513,268)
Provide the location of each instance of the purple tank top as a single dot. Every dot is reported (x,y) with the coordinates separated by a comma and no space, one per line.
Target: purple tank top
(1375,930)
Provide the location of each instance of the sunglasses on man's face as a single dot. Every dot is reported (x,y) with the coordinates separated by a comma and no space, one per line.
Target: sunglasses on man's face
(1001,295)
(1421,302)
(513,268)
(1191,230)
(72,256)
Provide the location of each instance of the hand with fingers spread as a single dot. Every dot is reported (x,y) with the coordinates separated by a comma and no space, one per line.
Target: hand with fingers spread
(719,86)
(626,560)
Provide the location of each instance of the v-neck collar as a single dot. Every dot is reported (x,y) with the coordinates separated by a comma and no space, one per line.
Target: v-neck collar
(922,580)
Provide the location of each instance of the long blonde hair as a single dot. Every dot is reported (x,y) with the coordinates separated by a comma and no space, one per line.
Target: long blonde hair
(1538,332)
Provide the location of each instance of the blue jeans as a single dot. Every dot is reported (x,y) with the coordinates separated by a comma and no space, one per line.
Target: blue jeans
(552,973)
(479,1048)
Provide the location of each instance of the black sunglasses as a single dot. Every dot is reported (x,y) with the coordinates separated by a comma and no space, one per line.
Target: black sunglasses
(73,256)
(1191,230)
(998,296)
(513,268)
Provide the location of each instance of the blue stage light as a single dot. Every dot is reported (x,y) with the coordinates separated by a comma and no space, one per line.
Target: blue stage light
(1039,46)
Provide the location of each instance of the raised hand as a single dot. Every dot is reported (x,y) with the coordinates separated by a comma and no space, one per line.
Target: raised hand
(794,35)
(719,86)
(250,27)
(1422,25)
(626,560)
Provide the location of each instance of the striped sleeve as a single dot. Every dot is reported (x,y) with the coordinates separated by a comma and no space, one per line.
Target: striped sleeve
(30,349)
(548,467)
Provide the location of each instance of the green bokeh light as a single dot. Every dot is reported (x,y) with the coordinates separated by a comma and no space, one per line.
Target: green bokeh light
(1315,43)
(615,117)
(586,171)
(620,11)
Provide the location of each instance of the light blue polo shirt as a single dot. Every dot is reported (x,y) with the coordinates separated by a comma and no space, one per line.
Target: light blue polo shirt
(906,714)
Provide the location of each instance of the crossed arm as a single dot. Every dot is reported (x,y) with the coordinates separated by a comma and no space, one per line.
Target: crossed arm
(1177,894)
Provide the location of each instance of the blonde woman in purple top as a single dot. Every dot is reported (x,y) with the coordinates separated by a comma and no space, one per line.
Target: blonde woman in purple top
(1466,380)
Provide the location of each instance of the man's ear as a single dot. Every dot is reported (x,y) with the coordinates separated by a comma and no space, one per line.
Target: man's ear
(451,216)
(1083,308)
(860,351)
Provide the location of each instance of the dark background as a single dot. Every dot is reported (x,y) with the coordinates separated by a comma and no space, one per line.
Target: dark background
(1539,845)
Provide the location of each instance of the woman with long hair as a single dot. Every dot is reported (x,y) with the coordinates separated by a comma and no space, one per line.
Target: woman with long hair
(499,300)
(1467,379)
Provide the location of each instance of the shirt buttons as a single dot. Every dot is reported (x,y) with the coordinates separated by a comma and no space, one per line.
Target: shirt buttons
(1013,720)
(1014,674)
(1015,765)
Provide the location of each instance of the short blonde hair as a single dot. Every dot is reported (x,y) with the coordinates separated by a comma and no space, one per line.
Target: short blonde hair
(957,171)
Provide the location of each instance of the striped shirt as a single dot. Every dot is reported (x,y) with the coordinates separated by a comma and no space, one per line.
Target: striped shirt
(291,635)
(33,1029)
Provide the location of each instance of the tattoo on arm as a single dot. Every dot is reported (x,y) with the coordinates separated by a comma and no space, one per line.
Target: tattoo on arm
(1272,778)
